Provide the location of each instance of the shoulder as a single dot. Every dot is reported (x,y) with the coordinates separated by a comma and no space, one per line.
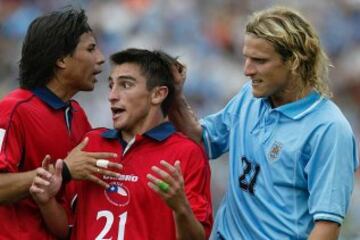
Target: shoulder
(239,105)
(186,146)
(76,105)
(96,140)
(183,140)
(327,126)
(329,114)
(191,154)
(15,101)
(245,92)
(243,99)
(95,132)
(16,97)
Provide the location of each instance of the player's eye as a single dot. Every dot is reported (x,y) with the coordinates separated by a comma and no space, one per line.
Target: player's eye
(126,84)
(259,60)
(91,48)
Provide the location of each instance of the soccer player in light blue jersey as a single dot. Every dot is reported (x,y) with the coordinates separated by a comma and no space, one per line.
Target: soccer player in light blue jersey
(292,153)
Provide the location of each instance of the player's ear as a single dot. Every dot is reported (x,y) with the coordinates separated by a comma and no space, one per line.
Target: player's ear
(158,94)
(61,62)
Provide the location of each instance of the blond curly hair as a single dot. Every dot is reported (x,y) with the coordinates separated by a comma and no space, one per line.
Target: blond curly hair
(298,44)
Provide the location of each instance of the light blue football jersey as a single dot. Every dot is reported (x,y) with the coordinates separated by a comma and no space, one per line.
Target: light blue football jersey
(288,166)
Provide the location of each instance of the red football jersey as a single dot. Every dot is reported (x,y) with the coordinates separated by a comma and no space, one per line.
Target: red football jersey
(129,209)
(33,124)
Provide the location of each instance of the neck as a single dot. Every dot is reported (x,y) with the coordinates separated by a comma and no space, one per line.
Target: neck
(151,121)
(290,94)
(59,89)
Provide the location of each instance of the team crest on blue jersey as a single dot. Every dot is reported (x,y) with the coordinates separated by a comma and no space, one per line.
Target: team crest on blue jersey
(275,150)
(117,194)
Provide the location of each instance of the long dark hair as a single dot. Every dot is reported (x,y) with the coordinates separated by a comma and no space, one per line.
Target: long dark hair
(49,38)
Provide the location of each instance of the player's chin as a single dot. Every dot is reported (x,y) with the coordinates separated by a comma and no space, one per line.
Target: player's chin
(89,86)
(258,94)
(118,126)
(87,89)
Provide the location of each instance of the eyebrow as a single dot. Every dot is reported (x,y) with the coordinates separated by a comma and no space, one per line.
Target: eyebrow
(123,77)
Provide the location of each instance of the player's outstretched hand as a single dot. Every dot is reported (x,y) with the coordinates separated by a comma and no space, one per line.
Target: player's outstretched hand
(91,166)
(46,184)
(169,184)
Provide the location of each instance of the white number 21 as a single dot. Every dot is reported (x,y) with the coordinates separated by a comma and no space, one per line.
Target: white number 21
(109,222)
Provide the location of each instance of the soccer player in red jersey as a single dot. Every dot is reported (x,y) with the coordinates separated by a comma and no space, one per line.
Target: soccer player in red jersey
(59,58)
(163,190)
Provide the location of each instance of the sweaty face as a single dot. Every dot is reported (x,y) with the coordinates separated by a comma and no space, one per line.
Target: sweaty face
(269,74)
(129,98)
(84,64)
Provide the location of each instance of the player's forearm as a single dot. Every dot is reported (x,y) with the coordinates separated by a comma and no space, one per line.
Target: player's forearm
(15,186)
(324,230)
(55,218)
(187,226)
(185,119)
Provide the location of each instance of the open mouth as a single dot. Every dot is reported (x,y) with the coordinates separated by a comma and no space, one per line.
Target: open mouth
(116,111)
(97,72)
(254,81)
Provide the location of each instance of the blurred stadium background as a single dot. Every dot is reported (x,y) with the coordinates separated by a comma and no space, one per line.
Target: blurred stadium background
(207,35)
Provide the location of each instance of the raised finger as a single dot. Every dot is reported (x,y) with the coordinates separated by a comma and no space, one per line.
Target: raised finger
(102,171)
(175,170)
(38,181)
(177,166)
(179,176)
(155,184)
(43,173)
(115,165)
(101,155)
(83,144)
(109,173)
(171,169)
(46,161)
(156,189)
(153,179)
(103,163)
(34,189)
(163,174)
(162,185)
(98,181)
(51,168)
(58,167)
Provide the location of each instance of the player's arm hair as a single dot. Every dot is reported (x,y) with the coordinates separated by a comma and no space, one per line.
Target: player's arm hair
(55,218)
(325,230)
(15,186)
(184,119)
(187,226)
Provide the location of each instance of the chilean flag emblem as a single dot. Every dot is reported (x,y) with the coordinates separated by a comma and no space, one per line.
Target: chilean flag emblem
(117,194)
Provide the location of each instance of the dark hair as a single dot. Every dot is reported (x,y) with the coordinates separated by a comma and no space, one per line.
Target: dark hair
(155,66)
(49,38)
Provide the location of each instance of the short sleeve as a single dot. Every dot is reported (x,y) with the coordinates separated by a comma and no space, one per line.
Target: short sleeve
(330,171)
(12,139)
(196,172)
(216,127)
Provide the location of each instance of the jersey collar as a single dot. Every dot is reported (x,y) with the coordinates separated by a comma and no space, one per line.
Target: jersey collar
(49,98)
(159,133)
(300,108)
